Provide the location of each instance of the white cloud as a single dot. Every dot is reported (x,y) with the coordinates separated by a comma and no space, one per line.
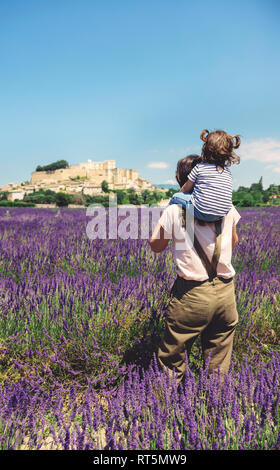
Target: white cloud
(277,169)
(158,165)
(263,150)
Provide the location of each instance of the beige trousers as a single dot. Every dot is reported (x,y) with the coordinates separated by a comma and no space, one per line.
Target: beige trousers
(207,308)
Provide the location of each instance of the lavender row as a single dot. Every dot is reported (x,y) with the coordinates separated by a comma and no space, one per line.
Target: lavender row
(76,315)
(148,412)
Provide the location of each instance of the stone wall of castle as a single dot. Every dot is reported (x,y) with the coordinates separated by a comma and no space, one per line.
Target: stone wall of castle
(90,170)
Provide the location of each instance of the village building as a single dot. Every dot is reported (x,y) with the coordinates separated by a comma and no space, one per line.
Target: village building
(14,194)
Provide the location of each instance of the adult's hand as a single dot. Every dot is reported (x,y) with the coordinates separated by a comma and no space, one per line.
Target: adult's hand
(234,237)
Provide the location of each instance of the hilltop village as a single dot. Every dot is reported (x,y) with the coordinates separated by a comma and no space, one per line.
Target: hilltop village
(93,182)
(85,178)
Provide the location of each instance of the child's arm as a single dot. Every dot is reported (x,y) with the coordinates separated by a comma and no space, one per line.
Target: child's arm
(187,187)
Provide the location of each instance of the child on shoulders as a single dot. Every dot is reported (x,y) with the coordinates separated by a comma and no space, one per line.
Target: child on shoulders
(208,190)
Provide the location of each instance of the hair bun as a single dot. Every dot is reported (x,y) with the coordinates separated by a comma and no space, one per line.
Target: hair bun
(203,136)
(237,141)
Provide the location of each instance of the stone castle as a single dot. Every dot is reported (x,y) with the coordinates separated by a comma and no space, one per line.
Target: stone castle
(83,178)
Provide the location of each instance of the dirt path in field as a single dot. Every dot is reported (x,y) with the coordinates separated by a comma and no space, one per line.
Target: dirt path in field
(49,442)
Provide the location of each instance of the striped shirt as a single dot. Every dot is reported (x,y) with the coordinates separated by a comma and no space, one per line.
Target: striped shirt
(212,193)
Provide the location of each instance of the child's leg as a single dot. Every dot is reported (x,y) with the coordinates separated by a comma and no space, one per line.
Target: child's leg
(185,200)
(181,198)
(205,217)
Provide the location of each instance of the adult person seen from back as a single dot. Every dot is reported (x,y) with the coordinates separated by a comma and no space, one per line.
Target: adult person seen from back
(202,302)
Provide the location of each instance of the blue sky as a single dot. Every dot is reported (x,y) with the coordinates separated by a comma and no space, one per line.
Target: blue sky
(136,81)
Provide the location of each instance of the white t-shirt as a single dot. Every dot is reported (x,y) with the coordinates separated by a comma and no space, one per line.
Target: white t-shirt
(189,264)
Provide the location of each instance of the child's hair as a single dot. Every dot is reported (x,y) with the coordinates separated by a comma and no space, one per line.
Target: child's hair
(218,147)
(185,166)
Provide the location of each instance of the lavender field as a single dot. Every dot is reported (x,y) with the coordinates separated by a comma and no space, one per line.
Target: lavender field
(80,323)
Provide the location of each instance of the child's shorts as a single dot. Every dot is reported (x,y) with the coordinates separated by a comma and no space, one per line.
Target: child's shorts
(185,200)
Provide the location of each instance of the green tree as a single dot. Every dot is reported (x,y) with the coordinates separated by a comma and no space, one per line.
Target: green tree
(157,195)
(41,197)
(257,186)
(171,191)
(135,198)
(4,196)
(99,199)
(122,196)
(265,196)
(257,196)
(242,188)
(248,200)
(105,186)
(239,198)
(62,199)
(53,166)
(146,194)
(16,203)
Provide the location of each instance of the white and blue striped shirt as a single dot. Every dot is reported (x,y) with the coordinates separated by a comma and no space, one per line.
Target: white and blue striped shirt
(212,193)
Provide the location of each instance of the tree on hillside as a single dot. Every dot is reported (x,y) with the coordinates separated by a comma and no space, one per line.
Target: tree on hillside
(135,198)
(41,197)
(122,196)
(4,196)
(105,186)
(99,199)
(146,194)
(62,199)
(53,166)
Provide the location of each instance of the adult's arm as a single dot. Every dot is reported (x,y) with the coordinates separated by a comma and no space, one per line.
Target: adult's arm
(234,237)
(159,239)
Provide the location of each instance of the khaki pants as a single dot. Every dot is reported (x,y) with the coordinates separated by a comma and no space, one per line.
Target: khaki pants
(206,308)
